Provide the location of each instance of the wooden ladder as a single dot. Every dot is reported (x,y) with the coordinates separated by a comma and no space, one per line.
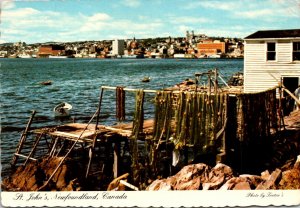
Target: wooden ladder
(22,140)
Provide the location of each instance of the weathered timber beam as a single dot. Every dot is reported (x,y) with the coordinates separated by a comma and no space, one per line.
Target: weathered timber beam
(292,95)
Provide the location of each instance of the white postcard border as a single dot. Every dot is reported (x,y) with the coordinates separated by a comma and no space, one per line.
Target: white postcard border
(151,198)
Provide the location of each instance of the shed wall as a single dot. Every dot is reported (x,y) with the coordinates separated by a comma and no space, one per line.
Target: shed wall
(259,74)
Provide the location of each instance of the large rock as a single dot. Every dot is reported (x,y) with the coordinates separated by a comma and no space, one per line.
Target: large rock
(195,177)
(243,182)
(217,177)
(32,176)
(291,178)
(188,178)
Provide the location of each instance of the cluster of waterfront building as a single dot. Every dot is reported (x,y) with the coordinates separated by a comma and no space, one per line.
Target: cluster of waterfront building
(190,46)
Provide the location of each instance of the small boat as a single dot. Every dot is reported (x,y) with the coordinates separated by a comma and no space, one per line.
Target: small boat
(215,56)
(146,79)
(57,57)
(62,110)
(49,82)
(24,56)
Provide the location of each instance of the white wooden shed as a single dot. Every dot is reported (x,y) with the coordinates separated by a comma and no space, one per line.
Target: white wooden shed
(271,57)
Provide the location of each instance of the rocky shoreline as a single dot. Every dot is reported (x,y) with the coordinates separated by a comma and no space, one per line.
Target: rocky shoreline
(222,177)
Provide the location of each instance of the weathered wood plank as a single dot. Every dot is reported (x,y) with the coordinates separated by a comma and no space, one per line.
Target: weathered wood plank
(275,176)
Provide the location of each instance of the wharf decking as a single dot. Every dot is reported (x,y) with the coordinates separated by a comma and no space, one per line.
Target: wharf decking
(84,132)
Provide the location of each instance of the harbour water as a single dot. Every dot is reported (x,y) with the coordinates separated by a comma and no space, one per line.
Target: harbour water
(78,82)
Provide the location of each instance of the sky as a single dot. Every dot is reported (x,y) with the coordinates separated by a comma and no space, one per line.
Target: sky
(38,21)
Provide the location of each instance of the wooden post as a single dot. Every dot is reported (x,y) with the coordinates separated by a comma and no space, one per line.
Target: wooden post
(99,108)
(209,83)
(116,159)
(216,81)
(22,139)
(52,151)
(91,150)
(281,120)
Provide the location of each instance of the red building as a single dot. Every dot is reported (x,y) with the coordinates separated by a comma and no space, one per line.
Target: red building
(210,48)
(51,50)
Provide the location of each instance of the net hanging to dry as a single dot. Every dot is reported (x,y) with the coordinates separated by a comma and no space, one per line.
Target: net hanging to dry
(163,115)
(192,119)
(256,114)
(137,130)
(198,118)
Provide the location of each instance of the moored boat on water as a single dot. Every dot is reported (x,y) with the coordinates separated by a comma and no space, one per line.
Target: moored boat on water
(214,56)
(146,79)
(24,56)
(58,56)
(62,110)
(48,82)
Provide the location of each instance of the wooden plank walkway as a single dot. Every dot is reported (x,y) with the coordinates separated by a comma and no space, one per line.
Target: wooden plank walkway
(72,131)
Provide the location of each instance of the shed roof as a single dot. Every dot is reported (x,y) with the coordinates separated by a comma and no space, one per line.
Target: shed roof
(262,34)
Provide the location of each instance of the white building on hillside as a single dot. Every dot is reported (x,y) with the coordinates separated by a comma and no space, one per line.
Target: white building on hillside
(270,57)
(118,47)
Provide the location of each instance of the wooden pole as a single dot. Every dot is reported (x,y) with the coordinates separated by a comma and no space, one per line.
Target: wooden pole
(223,81)
(129,185)
(99,108)
(209,84)
(53,147)
(91,150)
(292,95)
(22,139)
(116,182)
(116,159)
(281,120)
(216,81)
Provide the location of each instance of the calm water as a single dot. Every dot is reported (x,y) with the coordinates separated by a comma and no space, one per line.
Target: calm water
(78,81)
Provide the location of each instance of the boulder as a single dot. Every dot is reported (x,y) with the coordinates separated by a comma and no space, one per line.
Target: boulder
(32,176)
(291,178)
(217,177)
(189,177)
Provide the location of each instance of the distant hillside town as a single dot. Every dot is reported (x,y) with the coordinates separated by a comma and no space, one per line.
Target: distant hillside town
(191,46)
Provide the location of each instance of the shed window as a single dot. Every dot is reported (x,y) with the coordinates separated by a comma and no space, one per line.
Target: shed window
(271,51)
(296,51)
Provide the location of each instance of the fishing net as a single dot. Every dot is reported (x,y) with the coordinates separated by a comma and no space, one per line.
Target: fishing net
(198,119)
(256,115)
(137,131)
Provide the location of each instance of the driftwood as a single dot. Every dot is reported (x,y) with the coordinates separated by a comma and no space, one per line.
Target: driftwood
(129,185)
(275,176)
(116,182)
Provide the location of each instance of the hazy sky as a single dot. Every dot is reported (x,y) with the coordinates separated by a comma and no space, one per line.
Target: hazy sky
(35,21)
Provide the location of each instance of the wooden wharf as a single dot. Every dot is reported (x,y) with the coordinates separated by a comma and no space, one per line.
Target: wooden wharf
(186,120)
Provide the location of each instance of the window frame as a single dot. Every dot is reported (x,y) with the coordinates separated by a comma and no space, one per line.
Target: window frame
(292,46)
(266,51)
